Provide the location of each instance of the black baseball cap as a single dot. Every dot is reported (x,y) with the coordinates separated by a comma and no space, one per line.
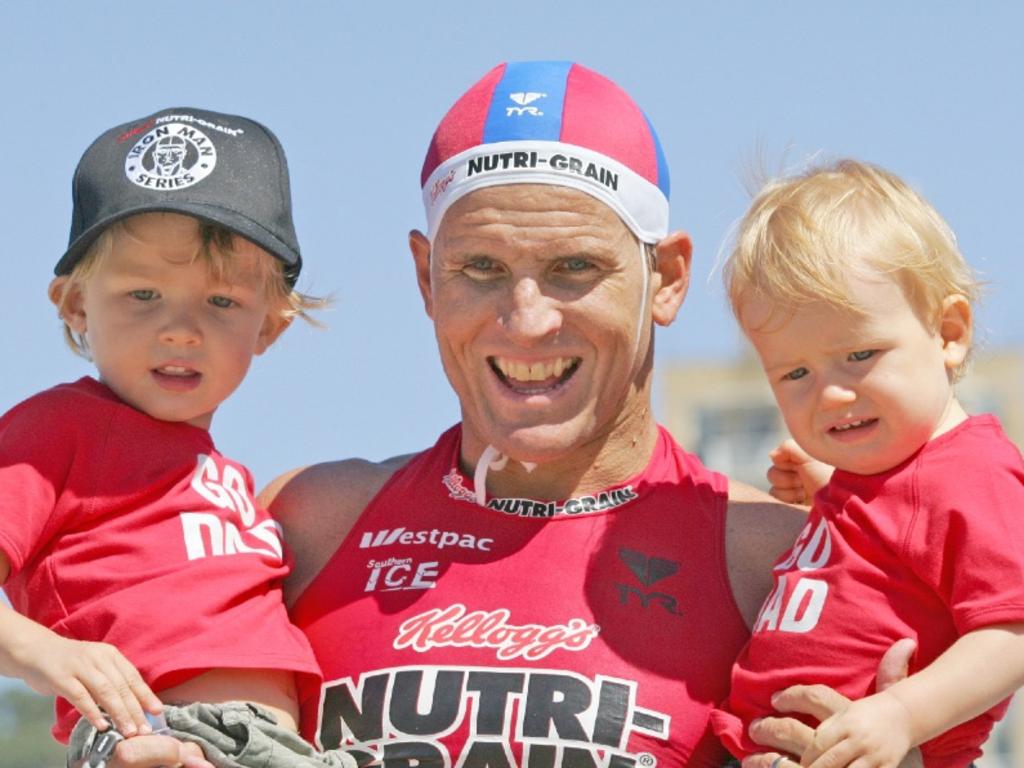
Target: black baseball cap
(223,169)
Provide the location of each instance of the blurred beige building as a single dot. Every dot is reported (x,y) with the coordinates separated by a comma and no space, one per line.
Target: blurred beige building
(724,411)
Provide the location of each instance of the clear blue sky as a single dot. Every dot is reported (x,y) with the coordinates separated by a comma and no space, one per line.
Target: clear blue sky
(931,90)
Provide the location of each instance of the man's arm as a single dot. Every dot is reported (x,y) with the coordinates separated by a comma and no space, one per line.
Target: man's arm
(317,507)
(758,530)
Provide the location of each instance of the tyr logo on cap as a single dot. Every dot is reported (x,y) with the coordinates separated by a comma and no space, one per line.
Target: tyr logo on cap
(173,156)
(524,100)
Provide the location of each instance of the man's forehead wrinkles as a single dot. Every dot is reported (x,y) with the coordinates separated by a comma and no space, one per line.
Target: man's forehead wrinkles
(532,198)
(554,215)
(541,240)
(543,218)
(542,227)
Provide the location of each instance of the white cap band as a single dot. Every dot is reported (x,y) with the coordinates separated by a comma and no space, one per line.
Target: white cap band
(640,204)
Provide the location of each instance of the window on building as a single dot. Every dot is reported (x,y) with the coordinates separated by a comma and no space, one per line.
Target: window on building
(736,440)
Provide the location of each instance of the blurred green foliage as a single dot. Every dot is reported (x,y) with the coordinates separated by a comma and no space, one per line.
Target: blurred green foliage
(25,740)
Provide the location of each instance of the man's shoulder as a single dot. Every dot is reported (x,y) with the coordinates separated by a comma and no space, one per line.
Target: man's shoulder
(333,493)
(755,517)
(317,506)
(307,486)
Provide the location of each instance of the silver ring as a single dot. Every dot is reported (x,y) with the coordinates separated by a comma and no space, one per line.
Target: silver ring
(777,762)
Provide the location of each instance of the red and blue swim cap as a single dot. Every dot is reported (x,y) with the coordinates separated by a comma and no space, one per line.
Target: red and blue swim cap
(549,122)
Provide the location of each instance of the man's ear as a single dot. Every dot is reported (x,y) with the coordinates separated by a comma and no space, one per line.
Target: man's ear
(69,300)
(672,276)
(420,247)
(273,326)
(956,327)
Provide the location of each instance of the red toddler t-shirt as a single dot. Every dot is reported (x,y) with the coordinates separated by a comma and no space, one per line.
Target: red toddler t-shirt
(133,531)
(930,549)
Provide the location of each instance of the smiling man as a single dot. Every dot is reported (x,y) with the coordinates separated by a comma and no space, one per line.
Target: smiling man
(598,624)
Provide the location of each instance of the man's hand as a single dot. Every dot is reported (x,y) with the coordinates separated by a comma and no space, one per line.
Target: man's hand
(788,736)
(157,752)
(794,476)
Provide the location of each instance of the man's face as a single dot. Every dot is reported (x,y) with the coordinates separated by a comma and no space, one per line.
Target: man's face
(537,294)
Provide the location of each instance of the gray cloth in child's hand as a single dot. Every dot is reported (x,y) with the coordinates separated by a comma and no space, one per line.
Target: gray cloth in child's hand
(239,735)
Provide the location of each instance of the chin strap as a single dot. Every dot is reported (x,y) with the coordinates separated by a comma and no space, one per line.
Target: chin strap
(490,459)
(643,296)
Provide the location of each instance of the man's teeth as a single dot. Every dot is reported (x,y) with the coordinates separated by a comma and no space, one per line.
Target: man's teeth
(851,425)
(520,371)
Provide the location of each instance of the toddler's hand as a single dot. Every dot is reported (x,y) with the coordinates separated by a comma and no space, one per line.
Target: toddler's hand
(92,676)
(873,731)
(794,476)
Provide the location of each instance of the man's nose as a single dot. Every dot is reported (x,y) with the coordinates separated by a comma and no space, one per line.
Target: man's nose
(530,314)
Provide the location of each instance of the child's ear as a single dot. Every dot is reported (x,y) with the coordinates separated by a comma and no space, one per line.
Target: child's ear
(956,327)
(67,297)
(273,326)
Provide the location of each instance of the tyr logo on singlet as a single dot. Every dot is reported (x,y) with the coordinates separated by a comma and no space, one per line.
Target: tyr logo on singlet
(648,571)
(796,603)
(209,534)
(551,717)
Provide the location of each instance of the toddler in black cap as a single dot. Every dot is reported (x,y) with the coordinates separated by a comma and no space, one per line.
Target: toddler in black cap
(133,552)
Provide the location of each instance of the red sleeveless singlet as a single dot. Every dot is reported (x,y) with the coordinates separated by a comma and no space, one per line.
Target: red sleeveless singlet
(596,631)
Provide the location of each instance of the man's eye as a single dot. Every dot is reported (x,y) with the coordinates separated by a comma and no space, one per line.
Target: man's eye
(143,294)
(483,263)
(796,373)
(863,354)
(576,265)
(222,301)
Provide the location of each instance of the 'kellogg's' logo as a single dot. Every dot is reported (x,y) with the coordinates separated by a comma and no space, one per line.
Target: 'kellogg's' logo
(440,185)
(456,490)
(455,626)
